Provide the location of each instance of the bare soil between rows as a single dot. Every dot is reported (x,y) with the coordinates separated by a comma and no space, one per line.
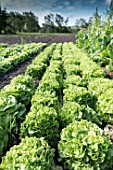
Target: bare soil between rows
(20,69)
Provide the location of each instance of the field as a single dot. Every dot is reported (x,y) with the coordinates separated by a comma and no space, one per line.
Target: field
(56,108)
(33,37)
(29,38)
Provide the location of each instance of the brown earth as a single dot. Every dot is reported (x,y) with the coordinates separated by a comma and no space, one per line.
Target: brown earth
(6,78)
(18,39)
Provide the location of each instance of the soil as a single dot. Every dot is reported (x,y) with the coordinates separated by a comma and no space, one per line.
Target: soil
(62,38)
(6,78)
(16,39)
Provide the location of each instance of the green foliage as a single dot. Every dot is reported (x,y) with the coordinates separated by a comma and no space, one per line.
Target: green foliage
(97,86)
(21,92)
(45,98)
(6,64)
(97,41)
(72,69)
(11,114)
(90,69)
(75,80)
(36,71)
(70,59)
(10,110)
(42,122)
(40,63)
(52,79)
(26,80)
(4,140)
(31,154)
(72,111)
(77,94)
(51,82)
(83,145)
(105,106)
(3,20)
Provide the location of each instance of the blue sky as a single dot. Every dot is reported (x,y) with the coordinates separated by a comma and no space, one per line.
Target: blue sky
(73,9)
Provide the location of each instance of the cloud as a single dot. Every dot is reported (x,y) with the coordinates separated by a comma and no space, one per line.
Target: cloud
(92,1)
(107,2)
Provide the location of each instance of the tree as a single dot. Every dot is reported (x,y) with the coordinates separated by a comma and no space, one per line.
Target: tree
(66,21)
(3,19)
(59,20)
(15,22)
(81,23)
(90,21)
(48,26)
(49,19)
(31,22)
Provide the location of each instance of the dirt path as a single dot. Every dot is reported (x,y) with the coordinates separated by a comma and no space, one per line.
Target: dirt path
(5,79)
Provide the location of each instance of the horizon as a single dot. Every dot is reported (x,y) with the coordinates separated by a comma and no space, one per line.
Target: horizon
(73,9)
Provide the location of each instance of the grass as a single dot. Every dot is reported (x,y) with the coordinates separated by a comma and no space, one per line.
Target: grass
(33,34)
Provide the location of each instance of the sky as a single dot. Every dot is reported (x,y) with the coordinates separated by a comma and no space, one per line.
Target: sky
(73,9)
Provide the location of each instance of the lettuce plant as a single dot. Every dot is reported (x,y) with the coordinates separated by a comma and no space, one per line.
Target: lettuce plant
(45,98)
(31,154)
(105,106)
(97,86)
(73,79)
(72,111)
(42,123)
(26,80)
(11,114)
(21,92)
(83,145)
(78,94)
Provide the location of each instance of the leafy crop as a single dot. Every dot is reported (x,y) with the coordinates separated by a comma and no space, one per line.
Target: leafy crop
(105,106)
(77,94)
(45,98)
(97,86)
(72,69)
(75,80)
(40,63)
(90,69)
(11,114)
(42,123)
(83,145)
(26,80)
(98,40)
(72,111)
(8,63)
(31,154)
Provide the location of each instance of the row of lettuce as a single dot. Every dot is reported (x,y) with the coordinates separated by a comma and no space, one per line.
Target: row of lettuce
(15,99)
(12,56)
(45,122)
(68,110)
(83,144)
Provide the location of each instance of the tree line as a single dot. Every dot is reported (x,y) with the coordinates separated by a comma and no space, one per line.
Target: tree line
(14,22)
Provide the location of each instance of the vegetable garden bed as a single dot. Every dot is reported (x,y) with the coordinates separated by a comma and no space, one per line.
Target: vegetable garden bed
(70,115)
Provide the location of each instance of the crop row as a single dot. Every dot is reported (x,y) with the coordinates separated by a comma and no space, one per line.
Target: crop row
(83,144)
(6,52)
(44,103)
(9,63)
(69,110)
(14,100)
